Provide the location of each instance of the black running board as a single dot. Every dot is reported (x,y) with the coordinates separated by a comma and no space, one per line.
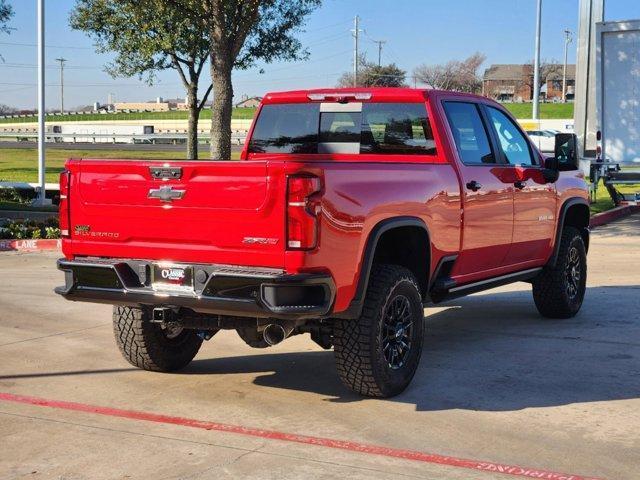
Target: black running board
(455,291)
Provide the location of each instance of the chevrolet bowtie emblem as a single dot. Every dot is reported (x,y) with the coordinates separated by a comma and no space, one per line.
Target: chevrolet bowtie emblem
(166,193)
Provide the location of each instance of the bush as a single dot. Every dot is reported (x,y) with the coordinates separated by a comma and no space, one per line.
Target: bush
(52,232)
(23,229)
(13,195)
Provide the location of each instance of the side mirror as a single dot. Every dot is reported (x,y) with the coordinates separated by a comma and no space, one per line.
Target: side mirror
(566,151)
(551,170)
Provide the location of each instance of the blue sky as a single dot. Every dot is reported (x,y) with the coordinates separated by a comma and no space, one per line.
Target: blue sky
(416,31)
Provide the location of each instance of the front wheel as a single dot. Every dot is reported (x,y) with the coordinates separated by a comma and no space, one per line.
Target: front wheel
(377,355)
(559,291)
(152,346)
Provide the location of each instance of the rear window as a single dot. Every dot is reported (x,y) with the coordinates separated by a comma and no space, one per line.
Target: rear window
(289,128)
(378,128)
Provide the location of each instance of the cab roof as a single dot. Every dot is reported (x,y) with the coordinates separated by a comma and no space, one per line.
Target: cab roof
(384,94)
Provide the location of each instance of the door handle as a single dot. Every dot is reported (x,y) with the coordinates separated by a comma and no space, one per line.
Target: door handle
(520,184)
(474,185)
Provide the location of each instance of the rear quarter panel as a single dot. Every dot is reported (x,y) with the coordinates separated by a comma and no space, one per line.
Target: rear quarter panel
(358,196)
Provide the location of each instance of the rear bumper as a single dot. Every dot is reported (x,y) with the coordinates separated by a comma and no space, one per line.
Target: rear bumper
(217,289)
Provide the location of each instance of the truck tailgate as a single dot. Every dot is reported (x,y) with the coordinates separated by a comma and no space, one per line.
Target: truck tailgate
(215,212)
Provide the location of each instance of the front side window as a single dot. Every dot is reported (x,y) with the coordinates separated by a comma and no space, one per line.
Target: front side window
(469,133)
(513,143)
(372,128)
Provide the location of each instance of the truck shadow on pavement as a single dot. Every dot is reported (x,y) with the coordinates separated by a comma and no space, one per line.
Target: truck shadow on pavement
(490,352)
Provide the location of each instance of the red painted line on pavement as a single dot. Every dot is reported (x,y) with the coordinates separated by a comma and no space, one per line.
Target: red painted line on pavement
(292,437)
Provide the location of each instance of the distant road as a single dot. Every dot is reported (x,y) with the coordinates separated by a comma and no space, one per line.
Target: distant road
(108,146)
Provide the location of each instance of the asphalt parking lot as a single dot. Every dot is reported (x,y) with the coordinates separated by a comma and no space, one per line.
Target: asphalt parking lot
(498,386)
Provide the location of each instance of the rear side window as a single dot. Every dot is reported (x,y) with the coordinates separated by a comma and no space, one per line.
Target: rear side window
(377,128)
(396,128)
(287,128)
(469,133)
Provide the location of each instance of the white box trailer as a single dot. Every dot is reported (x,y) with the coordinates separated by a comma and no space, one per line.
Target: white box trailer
(617,108)
(97,133)
(618,90)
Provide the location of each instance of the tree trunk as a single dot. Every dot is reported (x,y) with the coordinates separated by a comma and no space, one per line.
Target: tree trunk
(192,126)
(222,106)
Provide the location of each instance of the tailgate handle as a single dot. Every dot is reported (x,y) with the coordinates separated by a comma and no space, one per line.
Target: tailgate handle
(160,173)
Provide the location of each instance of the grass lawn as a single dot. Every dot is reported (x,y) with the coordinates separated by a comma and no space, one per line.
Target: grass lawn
(519,110)
(238,113)
(21,165)
(603,200)
(547,110)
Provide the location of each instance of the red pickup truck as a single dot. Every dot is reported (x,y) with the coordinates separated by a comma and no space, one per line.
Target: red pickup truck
(349,210)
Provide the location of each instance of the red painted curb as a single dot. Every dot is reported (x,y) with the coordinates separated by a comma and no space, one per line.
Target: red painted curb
(603,218)
(295,438)
(30,245)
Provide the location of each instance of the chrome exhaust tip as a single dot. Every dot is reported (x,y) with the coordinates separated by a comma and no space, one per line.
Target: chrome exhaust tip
(273,334)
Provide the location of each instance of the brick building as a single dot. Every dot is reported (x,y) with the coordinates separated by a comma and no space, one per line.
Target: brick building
(508,82)
(554,84)
(514,82)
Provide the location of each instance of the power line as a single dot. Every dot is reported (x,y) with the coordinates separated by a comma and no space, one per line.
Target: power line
(68,67)
(18,44)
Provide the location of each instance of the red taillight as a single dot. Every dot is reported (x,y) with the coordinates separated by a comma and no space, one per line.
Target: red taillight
(64,204)
(302,212)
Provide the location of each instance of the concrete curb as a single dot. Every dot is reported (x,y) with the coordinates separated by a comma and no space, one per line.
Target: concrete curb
(30,245)
(603,218)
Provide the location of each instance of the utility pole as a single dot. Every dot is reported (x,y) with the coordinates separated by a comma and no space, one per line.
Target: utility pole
(567,41)
(356,33)
(536,63)
(61,60)
(40,200)
(380,44)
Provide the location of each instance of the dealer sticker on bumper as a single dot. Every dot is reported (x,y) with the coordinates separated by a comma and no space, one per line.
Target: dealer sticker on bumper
(172,277)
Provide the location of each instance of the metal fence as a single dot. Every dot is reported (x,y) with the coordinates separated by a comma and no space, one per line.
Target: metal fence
(237,138)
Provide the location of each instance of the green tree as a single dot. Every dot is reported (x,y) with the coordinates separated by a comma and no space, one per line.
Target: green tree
(241,33)
(6,12)
(149,36)
(374,75)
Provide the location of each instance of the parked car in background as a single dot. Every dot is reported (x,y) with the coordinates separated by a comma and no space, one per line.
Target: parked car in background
(543,139)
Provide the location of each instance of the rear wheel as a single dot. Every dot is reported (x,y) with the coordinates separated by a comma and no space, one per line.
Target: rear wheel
(377,355)
(559,291)
(151,346)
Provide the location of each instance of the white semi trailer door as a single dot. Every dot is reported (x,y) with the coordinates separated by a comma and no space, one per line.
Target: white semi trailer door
(618,90)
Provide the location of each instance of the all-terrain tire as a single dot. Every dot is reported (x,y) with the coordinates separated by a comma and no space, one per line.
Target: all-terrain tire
(362,346)
(558,291)
(148,346)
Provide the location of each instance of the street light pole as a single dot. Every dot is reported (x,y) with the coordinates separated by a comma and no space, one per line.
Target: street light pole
(536,63)
(567,41)
(40,200)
